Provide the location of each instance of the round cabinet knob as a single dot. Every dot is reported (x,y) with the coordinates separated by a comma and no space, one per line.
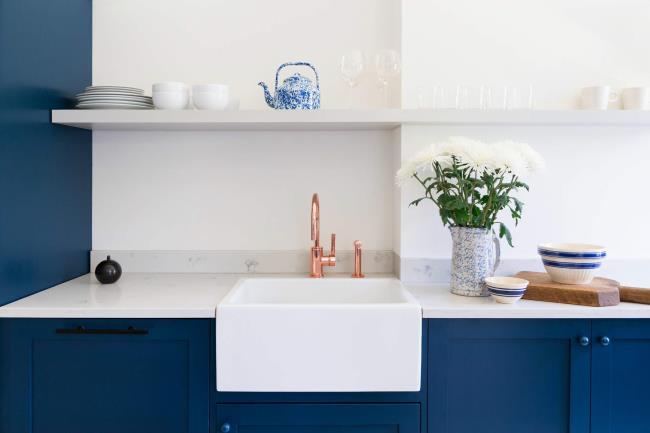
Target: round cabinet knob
(604,341)
(225,427)
(584,340)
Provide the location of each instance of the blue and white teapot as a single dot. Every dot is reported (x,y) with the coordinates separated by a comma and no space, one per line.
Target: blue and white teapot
(296,91)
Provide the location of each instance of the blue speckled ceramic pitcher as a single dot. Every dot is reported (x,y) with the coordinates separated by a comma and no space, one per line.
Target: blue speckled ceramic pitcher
(296,91)
(475,255)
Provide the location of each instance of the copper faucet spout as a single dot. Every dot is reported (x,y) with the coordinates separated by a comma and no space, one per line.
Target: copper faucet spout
(315,220)
(318,258)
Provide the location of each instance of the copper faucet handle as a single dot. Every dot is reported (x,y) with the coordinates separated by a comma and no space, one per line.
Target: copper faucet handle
(333,246)
(357,260)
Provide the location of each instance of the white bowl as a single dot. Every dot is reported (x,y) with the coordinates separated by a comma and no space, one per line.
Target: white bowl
(219,88)
(565,260)
(171,100)
(501,299)
(565,275)
(506,296)
(506,290)
(170,86)
(568,263)
(210,96)
(569,250)
(511,283)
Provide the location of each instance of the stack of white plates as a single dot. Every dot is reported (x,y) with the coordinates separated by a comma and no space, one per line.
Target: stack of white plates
(113,97)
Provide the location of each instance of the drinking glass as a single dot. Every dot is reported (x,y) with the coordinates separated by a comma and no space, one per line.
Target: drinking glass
(485,98)
(439,101)
(520,98)
(352,64)
(388,65)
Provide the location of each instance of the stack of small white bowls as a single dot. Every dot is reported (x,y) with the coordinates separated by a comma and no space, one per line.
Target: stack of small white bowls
(210,96)
(506,290)
(571,263)
(170,95)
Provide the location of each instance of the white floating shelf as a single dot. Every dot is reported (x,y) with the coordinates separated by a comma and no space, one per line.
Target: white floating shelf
(336,119)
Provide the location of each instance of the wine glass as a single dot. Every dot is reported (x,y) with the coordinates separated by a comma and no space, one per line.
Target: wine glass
(352,64)
(388,65)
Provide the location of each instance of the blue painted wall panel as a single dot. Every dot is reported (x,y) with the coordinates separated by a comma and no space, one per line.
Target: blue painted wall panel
(45,170)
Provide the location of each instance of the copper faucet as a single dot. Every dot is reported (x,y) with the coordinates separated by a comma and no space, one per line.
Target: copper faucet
(318,260)
(357,260)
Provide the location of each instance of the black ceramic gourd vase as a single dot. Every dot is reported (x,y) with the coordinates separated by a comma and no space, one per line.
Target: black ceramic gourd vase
(108,271)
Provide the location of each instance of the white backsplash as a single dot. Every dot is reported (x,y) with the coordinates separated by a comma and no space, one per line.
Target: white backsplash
(240,262)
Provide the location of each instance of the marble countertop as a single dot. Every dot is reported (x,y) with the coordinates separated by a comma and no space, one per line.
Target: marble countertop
(192,295)
(133,296)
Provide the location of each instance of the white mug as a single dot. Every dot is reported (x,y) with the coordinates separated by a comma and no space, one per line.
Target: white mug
(636,98)
(597,97)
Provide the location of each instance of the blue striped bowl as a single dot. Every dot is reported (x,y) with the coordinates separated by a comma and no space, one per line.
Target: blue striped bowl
(572,251)
(571,263)
(506,290)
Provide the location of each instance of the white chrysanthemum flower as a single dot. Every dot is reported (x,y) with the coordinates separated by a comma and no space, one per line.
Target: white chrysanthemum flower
(420,162)
(535,161)
(516,158)
(507,157)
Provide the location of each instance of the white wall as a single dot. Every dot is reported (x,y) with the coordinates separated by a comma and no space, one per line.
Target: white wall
(240,191)
(239,42)
(558,46)
(229,190)
(595,189)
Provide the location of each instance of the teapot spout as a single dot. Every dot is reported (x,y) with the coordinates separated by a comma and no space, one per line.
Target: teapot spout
(267,94)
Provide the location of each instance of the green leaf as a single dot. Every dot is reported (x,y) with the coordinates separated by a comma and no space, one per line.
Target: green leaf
(503,231)
(417,201)
(519,205)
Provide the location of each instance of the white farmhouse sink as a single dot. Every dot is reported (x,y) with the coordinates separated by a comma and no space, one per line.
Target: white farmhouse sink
(303,334)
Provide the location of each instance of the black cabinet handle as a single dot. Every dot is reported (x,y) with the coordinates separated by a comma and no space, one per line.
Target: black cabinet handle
(583,341)
(225,427)
(82,330)
(604,341)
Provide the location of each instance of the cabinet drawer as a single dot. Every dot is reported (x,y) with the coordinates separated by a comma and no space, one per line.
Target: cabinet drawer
(318,418)
(106,376)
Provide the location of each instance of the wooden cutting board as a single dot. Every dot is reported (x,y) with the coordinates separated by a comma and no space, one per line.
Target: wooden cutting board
(634,294)
(601,292)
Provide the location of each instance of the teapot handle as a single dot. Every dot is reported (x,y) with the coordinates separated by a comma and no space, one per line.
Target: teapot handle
(277,73)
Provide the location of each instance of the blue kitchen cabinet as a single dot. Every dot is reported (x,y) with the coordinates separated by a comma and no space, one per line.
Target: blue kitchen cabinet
(620,393)
(105,376)
(509,376)
(318,418)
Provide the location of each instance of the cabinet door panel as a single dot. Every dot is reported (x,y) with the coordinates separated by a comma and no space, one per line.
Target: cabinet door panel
(318,418)
(621,376)
(508,376)
(109,382)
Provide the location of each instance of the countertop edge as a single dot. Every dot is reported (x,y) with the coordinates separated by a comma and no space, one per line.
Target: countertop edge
(192,296)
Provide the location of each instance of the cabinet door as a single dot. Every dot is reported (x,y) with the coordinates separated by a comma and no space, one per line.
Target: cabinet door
(508,376)
(318,418)
(106,376)
(620,376)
